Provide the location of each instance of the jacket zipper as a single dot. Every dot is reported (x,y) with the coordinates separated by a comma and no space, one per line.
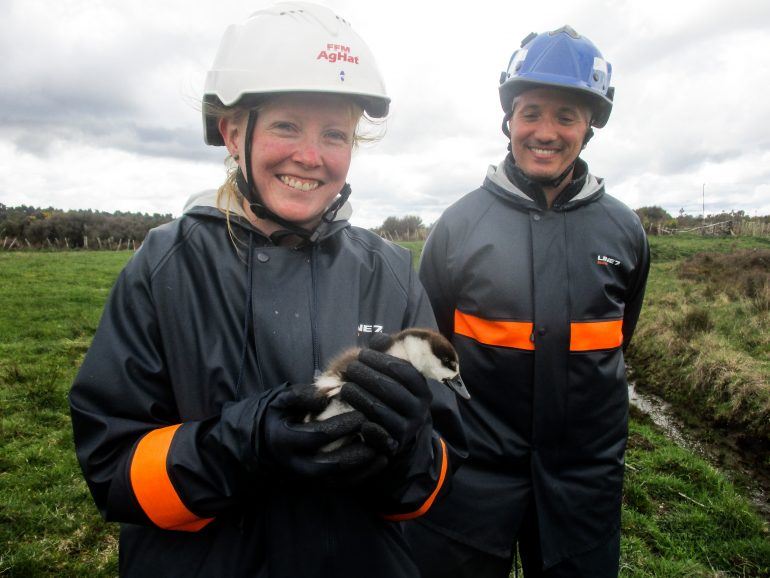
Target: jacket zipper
(249,331)
(313,313)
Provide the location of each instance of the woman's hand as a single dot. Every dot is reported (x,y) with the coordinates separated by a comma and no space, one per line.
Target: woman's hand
(393,396)
(291,444)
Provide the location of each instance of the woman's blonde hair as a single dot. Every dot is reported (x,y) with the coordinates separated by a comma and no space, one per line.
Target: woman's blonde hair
(368,130)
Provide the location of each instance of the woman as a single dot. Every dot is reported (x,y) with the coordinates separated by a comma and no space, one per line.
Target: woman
(188,409)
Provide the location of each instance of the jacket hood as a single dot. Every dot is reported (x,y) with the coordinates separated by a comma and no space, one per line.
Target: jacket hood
(204,203)
(498,183)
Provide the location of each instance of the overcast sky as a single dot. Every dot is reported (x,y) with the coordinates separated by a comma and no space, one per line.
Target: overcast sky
(99,106)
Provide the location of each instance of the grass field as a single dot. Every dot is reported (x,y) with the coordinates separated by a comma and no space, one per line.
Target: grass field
(681,517)
(51,305)
(703,341)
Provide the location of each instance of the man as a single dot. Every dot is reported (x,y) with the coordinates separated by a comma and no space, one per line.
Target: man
(537,277)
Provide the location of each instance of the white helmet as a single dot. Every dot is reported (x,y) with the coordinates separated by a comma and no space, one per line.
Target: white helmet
(292,47)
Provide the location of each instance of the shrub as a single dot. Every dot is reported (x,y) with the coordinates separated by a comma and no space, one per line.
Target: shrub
(695,321)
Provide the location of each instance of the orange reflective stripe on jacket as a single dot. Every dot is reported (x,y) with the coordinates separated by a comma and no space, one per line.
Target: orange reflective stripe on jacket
(592,335)
(584,336)
(429,502)
(516,334)
(153,488)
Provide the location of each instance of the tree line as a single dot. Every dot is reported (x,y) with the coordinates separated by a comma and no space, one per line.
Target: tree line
(406,228)
(657,221)
(25,227)
(32,227)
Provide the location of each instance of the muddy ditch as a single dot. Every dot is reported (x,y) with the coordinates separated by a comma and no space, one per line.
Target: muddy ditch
(740,460)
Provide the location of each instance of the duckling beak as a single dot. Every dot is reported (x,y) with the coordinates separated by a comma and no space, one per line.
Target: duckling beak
(456,383)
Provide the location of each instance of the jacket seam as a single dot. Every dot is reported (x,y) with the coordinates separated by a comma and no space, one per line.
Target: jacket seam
(613,217)
(472,224)
(176,246)
(374,250)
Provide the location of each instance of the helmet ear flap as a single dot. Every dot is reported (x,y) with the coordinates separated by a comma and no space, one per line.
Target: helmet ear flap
(211,135)
(589,135)
(506,129)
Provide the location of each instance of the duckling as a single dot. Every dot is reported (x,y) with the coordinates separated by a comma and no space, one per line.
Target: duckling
(429,352)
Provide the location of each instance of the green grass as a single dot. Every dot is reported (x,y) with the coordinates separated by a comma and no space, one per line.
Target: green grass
(415,247)
(671,248)
(680,516)
(703,340)
(51,305)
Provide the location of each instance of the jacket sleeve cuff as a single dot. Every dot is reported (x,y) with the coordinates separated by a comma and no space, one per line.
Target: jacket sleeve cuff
(152,485)
(439,472)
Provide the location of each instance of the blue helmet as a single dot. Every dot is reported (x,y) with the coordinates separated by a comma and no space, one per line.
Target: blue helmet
(560,58)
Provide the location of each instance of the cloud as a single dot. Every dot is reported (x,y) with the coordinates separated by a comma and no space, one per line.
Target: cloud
(103,96)
(103,179)
(737,183)
(108,74)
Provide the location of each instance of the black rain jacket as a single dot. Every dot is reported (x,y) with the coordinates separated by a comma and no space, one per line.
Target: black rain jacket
(540,305)
(195,339)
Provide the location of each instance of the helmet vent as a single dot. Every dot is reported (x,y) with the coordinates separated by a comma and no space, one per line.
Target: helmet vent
(567,29)
(530,36)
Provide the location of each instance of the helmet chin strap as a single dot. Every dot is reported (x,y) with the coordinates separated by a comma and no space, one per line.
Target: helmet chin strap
(555,182)
(251,194)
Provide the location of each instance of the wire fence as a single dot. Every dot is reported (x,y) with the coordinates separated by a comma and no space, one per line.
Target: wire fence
(65,244)
(720,229)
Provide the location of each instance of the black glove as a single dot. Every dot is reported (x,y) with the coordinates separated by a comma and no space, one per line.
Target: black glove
(393,395)
(286,441)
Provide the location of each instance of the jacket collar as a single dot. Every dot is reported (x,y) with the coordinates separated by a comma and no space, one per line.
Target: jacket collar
(498,183)
(205,204)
